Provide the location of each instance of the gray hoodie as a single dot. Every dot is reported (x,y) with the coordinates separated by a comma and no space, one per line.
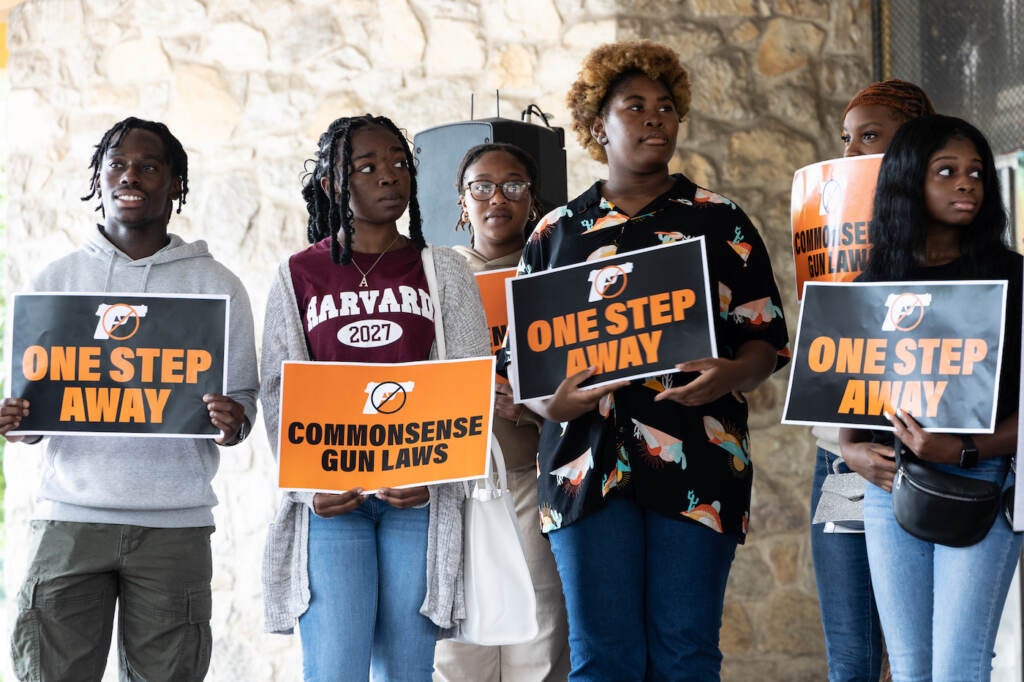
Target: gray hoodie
(156,482)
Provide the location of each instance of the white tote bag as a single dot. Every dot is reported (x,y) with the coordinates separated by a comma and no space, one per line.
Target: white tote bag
(501,607)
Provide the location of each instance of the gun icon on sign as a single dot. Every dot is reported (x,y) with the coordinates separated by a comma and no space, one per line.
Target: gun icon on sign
(118,321)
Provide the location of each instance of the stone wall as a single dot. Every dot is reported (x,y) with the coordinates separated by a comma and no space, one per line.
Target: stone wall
(248,85)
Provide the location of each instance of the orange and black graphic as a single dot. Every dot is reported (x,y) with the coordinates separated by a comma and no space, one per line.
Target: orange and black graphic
(118,363)
(931,349)
(633,315)
(492,293)
(384,425)
(118,321)
(830,211)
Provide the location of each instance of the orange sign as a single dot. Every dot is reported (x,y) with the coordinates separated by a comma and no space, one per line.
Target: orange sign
(370,426)
(492,292)
(831,208)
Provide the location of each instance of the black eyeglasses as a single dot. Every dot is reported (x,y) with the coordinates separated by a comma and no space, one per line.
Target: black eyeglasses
(482,190)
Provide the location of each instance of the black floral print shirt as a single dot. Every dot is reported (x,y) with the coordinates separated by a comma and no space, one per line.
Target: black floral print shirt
(684,462)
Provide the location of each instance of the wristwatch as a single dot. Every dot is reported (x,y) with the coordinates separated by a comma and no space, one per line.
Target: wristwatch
(243,431)
(969,453)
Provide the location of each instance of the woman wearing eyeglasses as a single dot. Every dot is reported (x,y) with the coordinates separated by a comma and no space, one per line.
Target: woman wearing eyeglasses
(496,183)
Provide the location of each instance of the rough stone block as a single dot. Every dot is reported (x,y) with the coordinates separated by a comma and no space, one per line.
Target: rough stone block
(788,45)
(454,48)
(136,61)
(237,47)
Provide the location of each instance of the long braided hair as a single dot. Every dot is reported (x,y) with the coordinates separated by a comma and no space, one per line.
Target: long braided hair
(175,153)
(328,217)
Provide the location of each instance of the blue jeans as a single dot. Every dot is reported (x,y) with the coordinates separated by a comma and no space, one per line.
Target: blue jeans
(367,579)
(853,635)
(939,606)
(644,594)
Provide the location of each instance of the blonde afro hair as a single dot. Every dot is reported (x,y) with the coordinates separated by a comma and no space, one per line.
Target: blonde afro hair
(601,71)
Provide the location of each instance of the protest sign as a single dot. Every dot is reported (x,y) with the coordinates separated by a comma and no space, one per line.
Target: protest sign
(632,315)
(492,293)
(370,426)
(931,349)
(831,208)
(100,363)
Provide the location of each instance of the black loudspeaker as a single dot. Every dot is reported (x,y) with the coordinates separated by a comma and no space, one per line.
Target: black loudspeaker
(440,149)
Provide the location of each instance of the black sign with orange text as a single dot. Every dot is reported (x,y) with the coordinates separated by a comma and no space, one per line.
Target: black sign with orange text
(631,315)
(134,364)
(931,349)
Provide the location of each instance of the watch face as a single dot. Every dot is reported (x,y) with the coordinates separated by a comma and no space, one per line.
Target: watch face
(969,453)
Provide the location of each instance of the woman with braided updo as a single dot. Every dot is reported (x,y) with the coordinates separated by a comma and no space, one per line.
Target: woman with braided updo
(876,112)
(371,580)
(853,635)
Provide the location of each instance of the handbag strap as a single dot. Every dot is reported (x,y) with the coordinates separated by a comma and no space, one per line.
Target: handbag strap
(497,465)
(897,448)
(435,299)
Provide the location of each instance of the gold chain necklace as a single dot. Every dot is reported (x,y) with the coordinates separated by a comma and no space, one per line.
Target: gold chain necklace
(362,283)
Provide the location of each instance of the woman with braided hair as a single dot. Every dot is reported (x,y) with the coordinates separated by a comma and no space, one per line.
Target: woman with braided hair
(876,112)
(371,580)
(853,635)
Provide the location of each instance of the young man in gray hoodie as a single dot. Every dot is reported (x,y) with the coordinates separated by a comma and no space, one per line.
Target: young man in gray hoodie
(124,519)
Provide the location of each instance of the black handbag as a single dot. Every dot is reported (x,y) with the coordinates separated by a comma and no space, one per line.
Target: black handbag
(940,507)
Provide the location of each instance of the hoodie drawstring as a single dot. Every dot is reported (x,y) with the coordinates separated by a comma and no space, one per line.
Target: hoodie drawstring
(113,265)
(110,271)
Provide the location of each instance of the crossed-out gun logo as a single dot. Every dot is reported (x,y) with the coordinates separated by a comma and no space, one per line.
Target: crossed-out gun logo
(609,281)
(905,311)
(386,397)
(831,197)
(118,321)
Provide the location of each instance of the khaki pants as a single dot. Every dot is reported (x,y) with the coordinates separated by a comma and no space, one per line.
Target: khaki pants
(546,658)
(158,577)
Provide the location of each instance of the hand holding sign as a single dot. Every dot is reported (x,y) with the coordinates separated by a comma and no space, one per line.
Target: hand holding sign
(227,415)
(504,404)
(11,412)
(720,376)
(570,401)
(404,498)
(336,504)
(943,448)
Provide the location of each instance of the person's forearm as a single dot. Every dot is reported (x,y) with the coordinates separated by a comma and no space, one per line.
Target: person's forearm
(539,406)
(848,436)
(1002,441)
(758,359)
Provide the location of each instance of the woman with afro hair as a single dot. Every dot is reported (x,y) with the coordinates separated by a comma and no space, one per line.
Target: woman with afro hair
(644,486)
